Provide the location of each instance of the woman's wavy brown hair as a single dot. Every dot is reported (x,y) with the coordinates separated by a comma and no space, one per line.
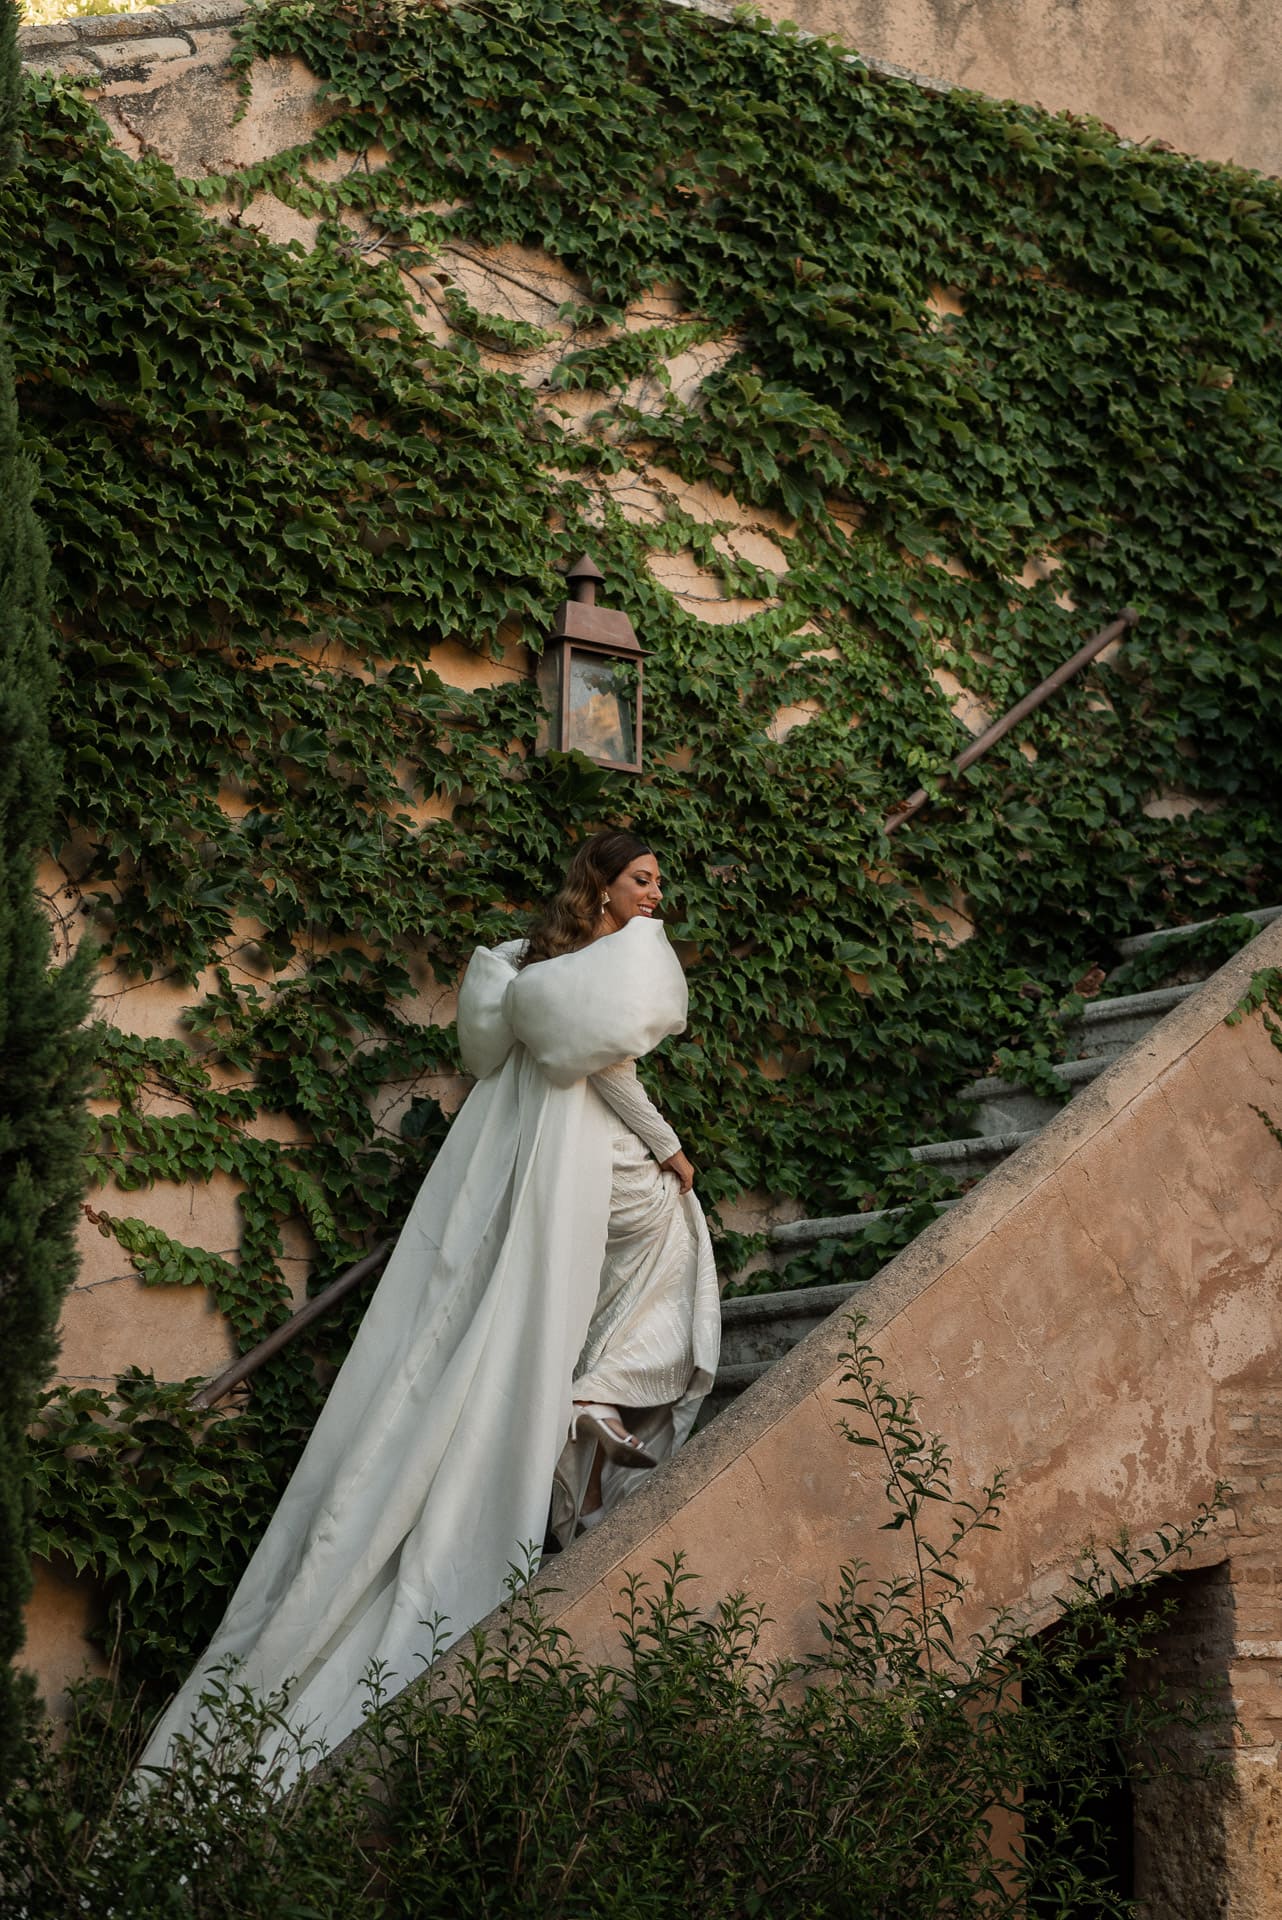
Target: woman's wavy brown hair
(571,919)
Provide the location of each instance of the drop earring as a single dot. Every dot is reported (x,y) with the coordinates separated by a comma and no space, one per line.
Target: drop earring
(605,901)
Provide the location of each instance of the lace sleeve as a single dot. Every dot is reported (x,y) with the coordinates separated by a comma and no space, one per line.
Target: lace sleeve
(619,1087)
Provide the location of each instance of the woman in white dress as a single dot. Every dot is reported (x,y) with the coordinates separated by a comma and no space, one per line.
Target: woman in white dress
(546,1326)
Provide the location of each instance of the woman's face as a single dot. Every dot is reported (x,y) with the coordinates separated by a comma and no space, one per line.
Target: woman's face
(634,891)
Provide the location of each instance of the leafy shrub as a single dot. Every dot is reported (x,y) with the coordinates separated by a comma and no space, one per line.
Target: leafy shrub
(693,1775)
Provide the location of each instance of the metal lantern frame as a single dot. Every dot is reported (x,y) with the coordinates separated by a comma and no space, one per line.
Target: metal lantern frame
(583,629)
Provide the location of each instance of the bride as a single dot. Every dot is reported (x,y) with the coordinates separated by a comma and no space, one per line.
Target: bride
(546,1327)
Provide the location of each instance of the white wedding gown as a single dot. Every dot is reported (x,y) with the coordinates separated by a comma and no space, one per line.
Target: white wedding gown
(546,1259)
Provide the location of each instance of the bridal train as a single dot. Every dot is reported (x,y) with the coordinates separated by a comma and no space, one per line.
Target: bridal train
(546,1259)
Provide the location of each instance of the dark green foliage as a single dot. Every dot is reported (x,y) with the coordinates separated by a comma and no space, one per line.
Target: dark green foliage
(695,1776)
(152,1496)
(10,87)
(42,1060)
(275,500)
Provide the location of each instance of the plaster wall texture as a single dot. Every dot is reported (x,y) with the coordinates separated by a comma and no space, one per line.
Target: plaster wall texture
(1202,77)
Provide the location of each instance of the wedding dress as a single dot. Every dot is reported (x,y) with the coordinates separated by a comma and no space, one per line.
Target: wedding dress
(546,1259)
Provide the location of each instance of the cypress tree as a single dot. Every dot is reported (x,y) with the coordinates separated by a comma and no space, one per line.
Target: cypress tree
(43,1048)
(10,87)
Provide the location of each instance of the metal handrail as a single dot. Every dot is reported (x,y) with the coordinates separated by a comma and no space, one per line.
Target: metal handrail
(222,1383)
(1020,711)
(248,1363)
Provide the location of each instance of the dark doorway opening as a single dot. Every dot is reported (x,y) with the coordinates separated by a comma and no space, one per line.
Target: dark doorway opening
(1092,1822)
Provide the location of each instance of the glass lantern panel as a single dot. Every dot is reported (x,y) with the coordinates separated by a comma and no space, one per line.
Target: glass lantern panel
(549,682)
(601,710)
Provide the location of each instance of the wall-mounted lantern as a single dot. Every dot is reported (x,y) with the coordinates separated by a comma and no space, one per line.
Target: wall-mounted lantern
(590,678)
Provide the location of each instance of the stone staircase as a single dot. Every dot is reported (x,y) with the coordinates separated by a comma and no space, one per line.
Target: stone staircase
(759,1328)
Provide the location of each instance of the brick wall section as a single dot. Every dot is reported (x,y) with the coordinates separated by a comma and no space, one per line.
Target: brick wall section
(1250,1437)
(1182,1825)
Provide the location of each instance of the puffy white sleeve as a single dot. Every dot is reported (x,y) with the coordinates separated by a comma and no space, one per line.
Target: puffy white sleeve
(619,1087)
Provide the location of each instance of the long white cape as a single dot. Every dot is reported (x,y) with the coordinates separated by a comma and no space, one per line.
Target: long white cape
(428,1473)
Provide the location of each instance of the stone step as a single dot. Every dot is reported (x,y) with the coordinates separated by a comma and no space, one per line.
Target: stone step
(1105,1029)
(1139,943)
(1003,1106)
(1110,1026)
(760,1326)
(732,1380)
(972,1158)
(794,1235)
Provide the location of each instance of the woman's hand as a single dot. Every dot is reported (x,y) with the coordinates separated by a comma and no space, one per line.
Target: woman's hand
(679,1165)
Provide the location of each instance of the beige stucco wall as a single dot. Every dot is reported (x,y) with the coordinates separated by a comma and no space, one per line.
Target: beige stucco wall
(1202,76)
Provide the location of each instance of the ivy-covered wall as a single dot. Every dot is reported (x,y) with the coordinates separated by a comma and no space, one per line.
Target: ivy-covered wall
(954,369)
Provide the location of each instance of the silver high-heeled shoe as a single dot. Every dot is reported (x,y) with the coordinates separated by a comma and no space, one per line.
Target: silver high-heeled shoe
(622,1449)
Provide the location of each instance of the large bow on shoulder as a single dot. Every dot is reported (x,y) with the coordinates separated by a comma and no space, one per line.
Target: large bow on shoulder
(614,1000)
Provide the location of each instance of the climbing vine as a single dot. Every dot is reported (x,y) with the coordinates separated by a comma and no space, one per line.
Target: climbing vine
(958,361)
